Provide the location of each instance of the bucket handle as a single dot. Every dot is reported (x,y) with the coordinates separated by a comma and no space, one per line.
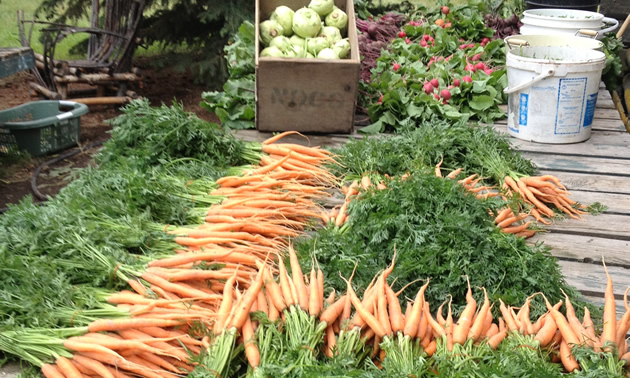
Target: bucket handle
(543,75)
(516,41)
(608,20)
(588,32)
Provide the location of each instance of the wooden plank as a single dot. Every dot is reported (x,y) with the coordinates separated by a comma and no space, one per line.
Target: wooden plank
(599,124)
(587,249)
(610,226)
(603,144)
(616,203)
(579,164)
(590,279)
(605,113)
(598,183)
(330,140)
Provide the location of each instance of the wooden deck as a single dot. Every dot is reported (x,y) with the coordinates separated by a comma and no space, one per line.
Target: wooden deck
(597,170)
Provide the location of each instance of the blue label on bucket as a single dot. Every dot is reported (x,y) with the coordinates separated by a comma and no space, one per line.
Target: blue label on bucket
(589,113)
(571,92)
(522,109)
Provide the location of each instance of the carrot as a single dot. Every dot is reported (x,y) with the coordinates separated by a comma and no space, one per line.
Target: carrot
(381,305)
(365,182)
(122,364)
(314,300)
(285,285)
(102,325)
(298,279)
(438,171)
(395,312)
(562,324)
(624,323)
(84,371)
(511,219)
(93,364)
(465,321)
(454,174)
(52,371)
(567,359)
(226,305)
(546,332)
(507,316)
(475,330)
(109,345)
(448,327)
(626,358)
(242,307)
(281,135)
(530,196)
(488,322)
(495,340)
(424,329)
(516,229)
(574,322)
(362,311)
(320,287)
(492,330)
(503,214)
(178,352)
(331,342)
(411,322)
(431,348)
(589,327)
(274,293)
(538,217)
(67,368)
(190,257)
(177,335)
(438,329)
(609,326)
(251,349)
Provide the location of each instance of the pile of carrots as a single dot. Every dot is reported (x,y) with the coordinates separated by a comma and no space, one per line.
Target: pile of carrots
(177,303)
(227,285)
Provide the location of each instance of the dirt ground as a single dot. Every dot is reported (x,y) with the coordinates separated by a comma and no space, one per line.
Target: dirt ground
(159,86)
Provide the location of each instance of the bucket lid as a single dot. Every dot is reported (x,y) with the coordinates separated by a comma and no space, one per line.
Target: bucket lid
(515,41)
(572,59)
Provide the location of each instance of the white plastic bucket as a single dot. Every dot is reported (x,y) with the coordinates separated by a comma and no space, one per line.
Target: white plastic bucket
(552,92)
(566,22)
(516,41)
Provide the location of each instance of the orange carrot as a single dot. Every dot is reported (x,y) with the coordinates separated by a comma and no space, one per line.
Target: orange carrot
(314,301)
(568,361)
(507,316)
(475,330)
(243,306)
(285,285)
(371,321)
(52,371)
(122,364)
(281,135)
(431,348)
(624,323)
(66,367)
(102,325)
(93,364)
(226,305)
(495,340)
(332,312)
(492,330)
(331,342)
(588,325)
(465,321)
(609,326)
(395,312)
(411,322)
(438,329)
(274,293)
(298,279)
(562,324)
(251,349)
(547,331)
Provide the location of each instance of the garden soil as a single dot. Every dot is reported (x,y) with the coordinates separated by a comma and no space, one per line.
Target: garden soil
(159,86)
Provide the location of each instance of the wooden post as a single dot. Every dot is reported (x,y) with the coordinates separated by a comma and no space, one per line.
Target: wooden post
(102,100)
(45,91)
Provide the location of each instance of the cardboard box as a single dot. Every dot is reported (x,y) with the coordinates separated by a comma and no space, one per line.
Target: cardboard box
(307,95)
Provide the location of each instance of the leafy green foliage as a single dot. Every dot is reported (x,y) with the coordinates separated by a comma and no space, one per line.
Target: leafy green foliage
(235,106)
(476,149)
(439,232)
(203,27)
(157,169)
(405,103)
(613,70)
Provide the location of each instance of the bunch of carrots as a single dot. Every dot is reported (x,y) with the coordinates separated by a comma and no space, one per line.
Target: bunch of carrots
(178,302)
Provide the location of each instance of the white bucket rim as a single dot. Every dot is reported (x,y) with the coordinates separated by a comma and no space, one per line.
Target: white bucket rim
(559,40)
(599,58)
(549,14)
